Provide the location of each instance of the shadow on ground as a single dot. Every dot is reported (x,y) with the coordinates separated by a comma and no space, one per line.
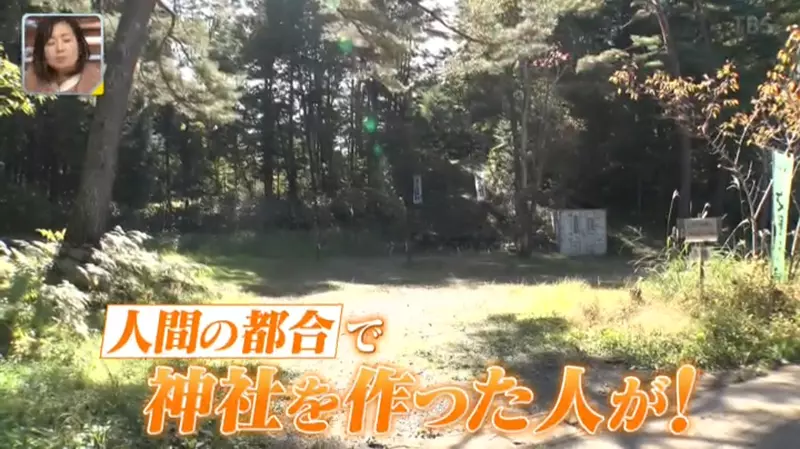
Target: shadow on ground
(535,351)
(762,413)
(282,277)
(759,428)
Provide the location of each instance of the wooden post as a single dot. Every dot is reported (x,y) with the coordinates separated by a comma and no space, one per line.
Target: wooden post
(702,269)
(407,246)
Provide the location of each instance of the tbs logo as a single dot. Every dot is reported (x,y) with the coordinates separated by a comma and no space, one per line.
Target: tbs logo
(755,25)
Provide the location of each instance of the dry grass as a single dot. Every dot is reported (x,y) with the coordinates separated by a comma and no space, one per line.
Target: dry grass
(425,321)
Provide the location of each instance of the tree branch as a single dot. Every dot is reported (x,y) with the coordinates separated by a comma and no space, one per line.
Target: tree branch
(437,18)
(173,21)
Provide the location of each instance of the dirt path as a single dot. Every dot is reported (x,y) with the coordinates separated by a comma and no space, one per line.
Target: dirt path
(450,318)
(451,329)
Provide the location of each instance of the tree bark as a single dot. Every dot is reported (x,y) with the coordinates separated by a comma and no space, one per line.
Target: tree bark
(268,125)
(289,149)
(90,212)
(519,133)
(684,137)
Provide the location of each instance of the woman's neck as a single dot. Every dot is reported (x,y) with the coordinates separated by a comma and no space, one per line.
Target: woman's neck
(63,76)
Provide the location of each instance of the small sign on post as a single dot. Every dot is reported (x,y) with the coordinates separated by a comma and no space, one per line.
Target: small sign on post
(700,231)
(417,197)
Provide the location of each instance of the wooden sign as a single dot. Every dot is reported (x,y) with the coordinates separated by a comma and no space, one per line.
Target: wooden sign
(699,230)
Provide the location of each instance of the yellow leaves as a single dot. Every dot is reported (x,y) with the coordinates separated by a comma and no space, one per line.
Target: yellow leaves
(768,89)
(52,236)
(775,114)
(625,80)
(713,110)
(794,36)
(725,71)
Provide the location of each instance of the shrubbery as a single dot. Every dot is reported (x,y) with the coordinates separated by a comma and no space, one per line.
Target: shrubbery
(738,316)
(121,271)
(57,393)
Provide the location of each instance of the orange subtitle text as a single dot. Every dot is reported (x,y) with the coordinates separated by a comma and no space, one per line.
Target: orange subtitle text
(245,401)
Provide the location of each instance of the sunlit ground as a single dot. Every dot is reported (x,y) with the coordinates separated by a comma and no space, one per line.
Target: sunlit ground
(447,317)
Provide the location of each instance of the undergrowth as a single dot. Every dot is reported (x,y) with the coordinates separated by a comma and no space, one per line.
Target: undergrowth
(735,316)
(122,270)
(56,391)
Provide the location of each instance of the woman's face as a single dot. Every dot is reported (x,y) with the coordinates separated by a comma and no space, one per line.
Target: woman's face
(61,51)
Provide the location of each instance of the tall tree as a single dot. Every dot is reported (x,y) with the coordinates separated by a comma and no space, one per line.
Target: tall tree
(91,208)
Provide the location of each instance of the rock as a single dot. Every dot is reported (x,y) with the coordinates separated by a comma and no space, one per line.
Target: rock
(79,254)
(73,273)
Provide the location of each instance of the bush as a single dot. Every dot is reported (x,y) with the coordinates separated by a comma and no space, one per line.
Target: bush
(56,393)
(121,270)
(739,316)
(140,275)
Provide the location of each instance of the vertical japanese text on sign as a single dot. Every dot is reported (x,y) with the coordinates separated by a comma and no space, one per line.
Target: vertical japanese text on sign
(221,331)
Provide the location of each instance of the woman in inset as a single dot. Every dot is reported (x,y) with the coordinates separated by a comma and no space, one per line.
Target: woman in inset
(61,59)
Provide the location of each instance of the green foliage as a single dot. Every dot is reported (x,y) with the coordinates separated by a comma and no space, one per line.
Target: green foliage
(739,317)
(65,403)
(743,316)
(121,270)
(34,311)
(124,271)
(12,98)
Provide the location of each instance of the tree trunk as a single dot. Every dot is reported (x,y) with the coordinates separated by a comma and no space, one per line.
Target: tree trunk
(684,138)
(268,120)
(329,132)
(722,177)
(519,131)
(358,135)
(90,212)
(374,174)
(291,160)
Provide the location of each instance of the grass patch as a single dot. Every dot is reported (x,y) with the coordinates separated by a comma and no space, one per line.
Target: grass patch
(57,392)
(77,401)
(739,317)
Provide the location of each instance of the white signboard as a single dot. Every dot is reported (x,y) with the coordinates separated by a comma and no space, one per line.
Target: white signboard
(582,232)
(480,188)
(417,189)
(699,230)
